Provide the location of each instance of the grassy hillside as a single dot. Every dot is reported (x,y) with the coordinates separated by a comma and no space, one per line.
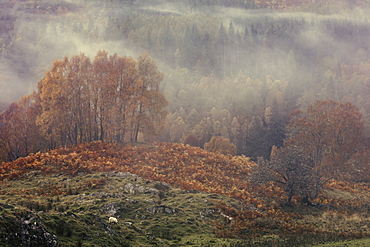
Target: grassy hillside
(149,213)
(165,195)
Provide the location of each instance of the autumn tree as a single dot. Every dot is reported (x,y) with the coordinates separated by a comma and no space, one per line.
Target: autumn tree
(177,130)
(221,145)
(289,168)
(329,133)
(111,99)
(19,134)
(149,113)
(64,101)
(116,87)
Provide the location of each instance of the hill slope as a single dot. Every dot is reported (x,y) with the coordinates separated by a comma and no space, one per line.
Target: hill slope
(197,168)
(149,213)
(163,194)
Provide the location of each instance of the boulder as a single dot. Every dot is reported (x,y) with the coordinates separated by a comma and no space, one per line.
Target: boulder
(138,189)
(111,208)
(121,174)
(161,186)
(161,209)
(27,232)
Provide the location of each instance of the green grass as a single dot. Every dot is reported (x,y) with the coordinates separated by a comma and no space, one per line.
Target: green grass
(71,208)
(353,243)
(75,215)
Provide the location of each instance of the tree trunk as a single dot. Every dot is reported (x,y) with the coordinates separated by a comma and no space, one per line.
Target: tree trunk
(289,199)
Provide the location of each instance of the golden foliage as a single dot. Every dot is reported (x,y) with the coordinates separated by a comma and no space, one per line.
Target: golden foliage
(177,164)
(189,168)
(111,98)
(221,145)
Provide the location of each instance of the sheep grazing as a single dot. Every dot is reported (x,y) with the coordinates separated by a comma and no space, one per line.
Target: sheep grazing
(113,220)
(227,217)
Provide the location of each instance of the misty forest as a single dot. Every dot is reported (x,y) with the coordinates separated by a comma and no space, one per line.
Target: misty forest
(273,97)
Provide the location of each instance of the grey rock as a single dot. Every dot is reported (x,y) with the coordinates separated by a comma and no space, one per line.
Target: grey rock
(111,208)
(162,186)
(132,201)
(141,217)
(151,201)
(107,195)
(130,188)
(161,209)
(121,174)
(101,195)
(138,189)
(29,232)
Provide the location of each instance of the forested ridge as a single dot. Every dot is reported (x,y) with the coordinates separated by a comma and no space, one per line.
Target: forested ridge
(233,79)
(235,73)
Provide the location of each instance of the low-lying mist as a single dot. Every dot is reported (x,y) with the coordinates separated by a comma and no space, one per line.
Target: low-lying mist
(232,72)
(256,42)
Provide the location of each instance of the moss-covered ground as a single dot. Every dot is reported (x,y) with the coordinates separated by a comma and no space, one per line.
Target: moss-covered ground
(65,197)
(76,210)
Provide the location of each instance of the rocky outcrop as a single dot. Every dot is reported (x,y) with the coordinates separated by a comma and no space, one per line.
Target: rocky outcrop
(107,195)
(112,208)
(121,174)
(161,209)
(138,189)
(161,186)
(27,231)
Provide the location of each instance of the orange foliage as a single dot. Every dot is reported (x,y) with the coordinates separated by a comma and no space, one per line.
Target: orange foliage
(187,167)
(220,144)
(177,164)
(256,222)
(330,133)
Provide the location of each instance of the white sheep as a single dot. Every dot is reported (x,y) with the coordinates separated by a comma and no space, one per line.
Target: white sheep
(227,217)
(113,220)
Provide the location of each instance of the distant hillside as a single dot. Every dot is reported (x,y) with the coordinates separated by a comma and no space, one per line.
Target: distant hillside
(286,4)
(273,4)
(163,194)
(3,106)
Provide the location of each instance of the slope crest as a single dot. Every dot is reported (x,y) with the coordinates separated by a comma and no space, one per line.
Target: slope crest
(176,164)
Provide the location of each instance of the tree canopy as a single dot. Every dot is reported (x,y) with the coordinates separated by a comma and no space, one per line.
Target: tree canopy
(324,140)
(110,98)
(329,132)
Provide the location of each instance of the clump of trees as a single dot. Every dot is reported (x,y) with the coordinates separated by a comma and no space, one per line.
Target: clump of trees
(237,78)
(110,98)
(322,144)
(242,74)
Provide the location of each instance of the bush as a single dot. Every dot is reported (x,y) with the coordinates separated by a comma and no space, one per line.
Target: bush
(221,145)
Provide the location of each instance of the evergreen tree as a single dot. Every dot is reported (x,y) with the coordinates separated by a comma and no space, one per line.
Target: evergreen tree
(256,145)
